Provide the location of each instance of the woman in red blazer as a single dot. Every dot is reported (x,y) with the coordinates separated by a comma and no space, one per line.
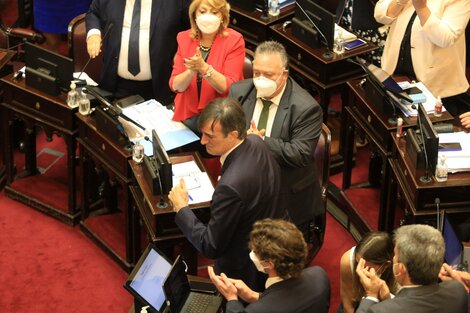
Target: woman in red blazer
(209,59)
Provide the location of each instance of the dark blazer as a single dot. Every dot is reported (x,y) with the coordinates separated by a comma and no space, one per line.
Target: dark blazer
(306,294)
(294,136)
(448,297)
(168,17)
(246,192)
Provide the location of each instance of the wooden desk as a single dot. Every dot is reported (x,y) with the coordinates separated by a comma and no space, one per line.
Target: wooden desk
(37,109)
(373,120)
(106,176)
(159,222)
(313,70)
(413,200)
(253,28)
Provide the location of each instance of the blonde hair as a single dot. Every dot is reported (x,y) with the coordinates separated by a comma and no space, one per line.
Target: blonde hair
(221,6)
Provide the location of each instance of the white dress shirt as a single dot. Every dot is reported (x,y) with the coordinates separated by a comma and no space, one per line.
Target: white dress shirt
(272,111)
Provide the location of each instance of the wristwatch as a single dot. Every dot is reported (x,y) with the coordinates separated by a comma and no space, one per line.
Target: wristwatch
(208,73)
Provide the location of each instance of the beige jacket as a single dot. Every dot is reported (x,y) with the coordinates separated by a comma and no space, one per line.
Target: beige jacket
(438,47)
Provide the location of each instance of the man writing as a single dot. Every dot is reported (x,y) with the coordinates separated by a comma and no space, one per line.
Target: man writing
(246,192)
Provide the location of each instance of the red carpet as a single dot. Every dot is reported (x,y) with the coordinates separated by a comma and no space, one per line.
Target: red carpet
(48,266)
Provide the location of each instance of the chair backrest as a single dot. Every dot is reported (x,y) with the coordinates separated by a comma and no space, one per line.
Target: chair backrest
(248,64)
(322,159)
(76,36)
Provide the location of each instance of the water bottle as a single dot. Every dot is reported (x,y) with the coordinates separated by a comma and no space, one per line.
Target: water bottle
(72,96)
(441,169)
(338,46)
(438,107)
(274,8)
(138,150)
(84,103)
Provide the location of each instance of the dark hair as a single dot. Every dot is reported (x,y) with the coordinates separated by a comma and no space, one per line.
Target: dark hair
(377,248)
(280,242)
(228,113)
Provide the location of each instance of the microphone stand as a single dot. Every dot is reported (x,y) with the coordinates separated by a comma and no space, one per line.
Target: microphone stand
(162,204)
(328,54)
(265,15)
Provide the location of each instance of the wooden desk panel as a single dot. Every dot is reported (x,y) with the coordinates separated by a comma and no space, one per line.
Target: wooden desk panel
(254,28)
(159,222)
(105,180)
(38,109)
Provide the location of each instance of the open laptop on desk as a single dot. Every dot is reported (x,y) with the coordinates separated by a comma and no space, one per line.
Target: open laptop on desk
(146,280)
(182,299)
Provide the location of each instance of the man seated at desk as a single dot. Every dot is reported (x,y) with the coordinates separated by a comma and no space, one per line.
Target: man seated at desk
(278,249)
(246,192)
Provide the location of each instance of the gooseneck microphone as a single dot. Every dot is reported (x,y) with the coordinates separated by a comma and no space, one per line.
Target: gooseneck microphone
(437,201)
(82,82)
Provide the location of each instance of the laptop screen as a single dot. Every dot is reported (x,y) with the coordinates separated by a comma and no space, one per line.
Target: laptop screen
(146,280)
(453,255)
(177,286)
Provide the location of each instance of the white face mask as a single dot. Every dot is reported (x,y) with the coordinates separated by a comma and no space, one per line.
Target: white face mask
(265,87)
(208,23)
(257,263)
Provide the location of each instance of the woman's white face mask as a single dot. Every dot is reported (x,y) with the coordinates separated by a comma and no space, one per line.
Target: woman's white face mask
(257,263)
(208,23)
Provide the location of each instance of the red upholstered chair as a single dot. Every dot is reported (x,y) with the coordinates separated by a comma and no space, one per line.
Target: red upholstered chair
(322,159)
(248,65)
(78,51)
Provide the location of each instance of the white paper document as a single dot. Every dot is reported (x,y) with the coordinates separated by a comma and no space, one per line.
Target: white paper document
(198,183)
(152,115)
(429,104)
(457,161)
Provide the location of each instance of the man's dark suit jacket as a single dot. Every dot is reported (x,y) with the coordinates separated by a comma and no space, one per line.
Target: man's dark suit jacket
(448,297)
(306,294)
(294,136)
(168,17)
(246,192)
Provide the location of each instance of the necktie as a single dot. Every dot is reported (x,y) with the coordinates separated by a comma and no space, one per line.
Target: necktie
(263,118)
(133,54)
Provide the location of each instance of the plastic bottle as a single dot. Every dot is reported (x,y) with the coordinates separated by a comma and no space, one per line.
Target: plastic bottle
(84,103)
(438,107)
(72,96)
(138,150)
(274,8)
(441,169)
(338,46)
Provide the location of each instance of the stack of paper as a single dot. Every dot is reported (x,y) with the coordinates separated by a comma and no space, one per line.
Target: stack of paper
(457,161)
(407,108)
(199,185)
(347,36)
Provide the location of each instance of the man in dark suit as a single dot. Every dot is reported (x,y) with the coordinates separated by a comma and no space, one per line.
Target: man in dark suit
(291,130)
(419,254)
(246,192)
(279,249)
(158,24)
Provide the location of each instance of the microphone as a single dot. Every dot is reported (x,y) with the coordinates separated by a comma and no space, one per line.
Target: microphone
(241,99)
(327,54)
(437,201)
(162,204)
(265,15)
(82,82)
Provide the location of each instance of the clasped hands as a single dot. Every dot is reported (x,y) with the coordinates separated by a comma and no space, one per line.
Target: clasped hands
(196,63)
(231,288)
(255,131)
(373,285)
(418,4)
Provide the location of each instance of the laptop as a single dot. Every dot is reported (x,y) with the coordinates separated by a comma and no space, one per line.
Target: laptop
(182,299)
(146,279)
(454,247)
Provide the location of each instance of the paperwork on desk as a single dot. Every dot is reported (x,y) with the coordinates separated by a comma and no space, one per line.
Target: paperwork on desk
(198,183)
(347,36)
(406,107)
(88,79)
(457,161)
(152,115)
